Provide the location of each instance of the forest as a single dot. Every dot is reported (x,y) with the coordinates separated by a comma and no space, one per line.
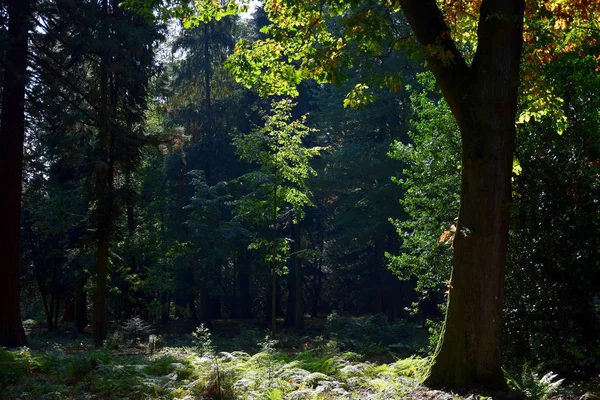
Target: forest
(300,200)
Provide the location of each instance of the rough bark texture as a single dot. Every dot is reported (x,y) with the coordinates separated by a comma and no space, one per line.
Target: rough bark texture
(483,99)
(12,131)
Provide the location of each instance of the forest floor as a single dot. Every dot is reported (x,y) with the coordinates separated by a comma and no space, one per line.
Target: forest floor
(350,358)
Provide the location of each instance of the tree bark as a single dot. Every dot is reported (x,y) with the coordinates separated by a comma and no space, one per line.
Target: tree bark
(375,271)
(12,133)
(104,173)
(205,311)
(215,299)
(80,304)
(319,272)
(483,99)
(47,309)
(243,306)
(295,307)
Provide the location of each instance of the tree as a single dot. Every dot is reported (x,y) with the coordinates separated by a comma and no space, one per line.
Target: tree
(12,133)
(278,187)
(96,58)
(483,99)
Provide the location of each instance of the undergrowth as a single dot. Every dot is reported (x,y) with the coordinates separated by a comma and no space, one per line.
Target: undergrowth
(322,372)
(336,365)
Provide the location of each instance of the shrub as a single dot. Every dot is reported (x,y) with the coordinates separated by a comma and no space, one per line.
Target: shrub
(202,340)
(374,335)
(135,331)
(131,333)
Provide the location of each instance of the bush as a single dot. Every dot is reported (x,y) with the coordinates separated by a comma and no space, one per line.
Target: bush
(202,340)
(374,335)
(131,333)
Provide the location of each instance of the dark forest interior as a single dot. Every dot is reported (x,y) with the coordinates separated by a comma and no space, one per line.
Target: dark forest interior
(300,200)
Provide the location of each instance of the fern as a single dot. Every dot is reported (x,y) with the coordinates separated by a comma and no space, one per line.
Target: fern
(532,386)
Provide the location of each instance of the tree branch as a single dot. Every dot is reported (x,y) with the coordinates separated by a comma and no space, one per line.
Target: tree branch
(443,57)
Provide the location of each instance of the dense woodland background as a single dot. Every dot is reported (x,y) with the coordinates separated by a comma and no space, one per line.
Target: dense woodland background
(148,170)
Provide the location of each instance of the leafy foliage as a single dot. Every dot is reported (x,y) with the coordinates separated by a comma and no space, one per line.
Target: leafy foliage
(533,386)
(431,181)
(202,340)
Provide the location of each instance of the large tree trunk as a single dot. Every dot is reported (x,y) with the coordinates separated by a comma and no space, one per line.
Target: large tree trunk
(469,350)
(483,99)
(104,184)
(12,133)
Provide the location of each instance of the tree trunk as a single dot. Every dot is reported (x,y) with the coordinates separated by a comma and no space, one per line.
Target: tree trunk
(469,350)
(12,133)
(165,310)
(290,312)
(215,299)
(295,307)
(192,306)
(207,76)
(273,308)
(69,310)
(80,304)
(205,316)
(56,312)
(483,99)
(377,285)
(273,303)
(47,308)
(104,173)
(243,306)
(319,276)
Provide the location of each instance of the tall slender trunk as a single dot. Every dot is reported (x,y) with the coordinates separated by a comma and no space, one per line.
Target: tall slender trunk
(165,309)
(104,184)
(56,312)
(192,306)
(205,317)
(130,203)
(243,301)
(47,307)
(295,307)
(12,133)
(216,299)
(80,304)
(319,277)
(207,73)
(377,285)
(69,310)
(273,256)
(273,302)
